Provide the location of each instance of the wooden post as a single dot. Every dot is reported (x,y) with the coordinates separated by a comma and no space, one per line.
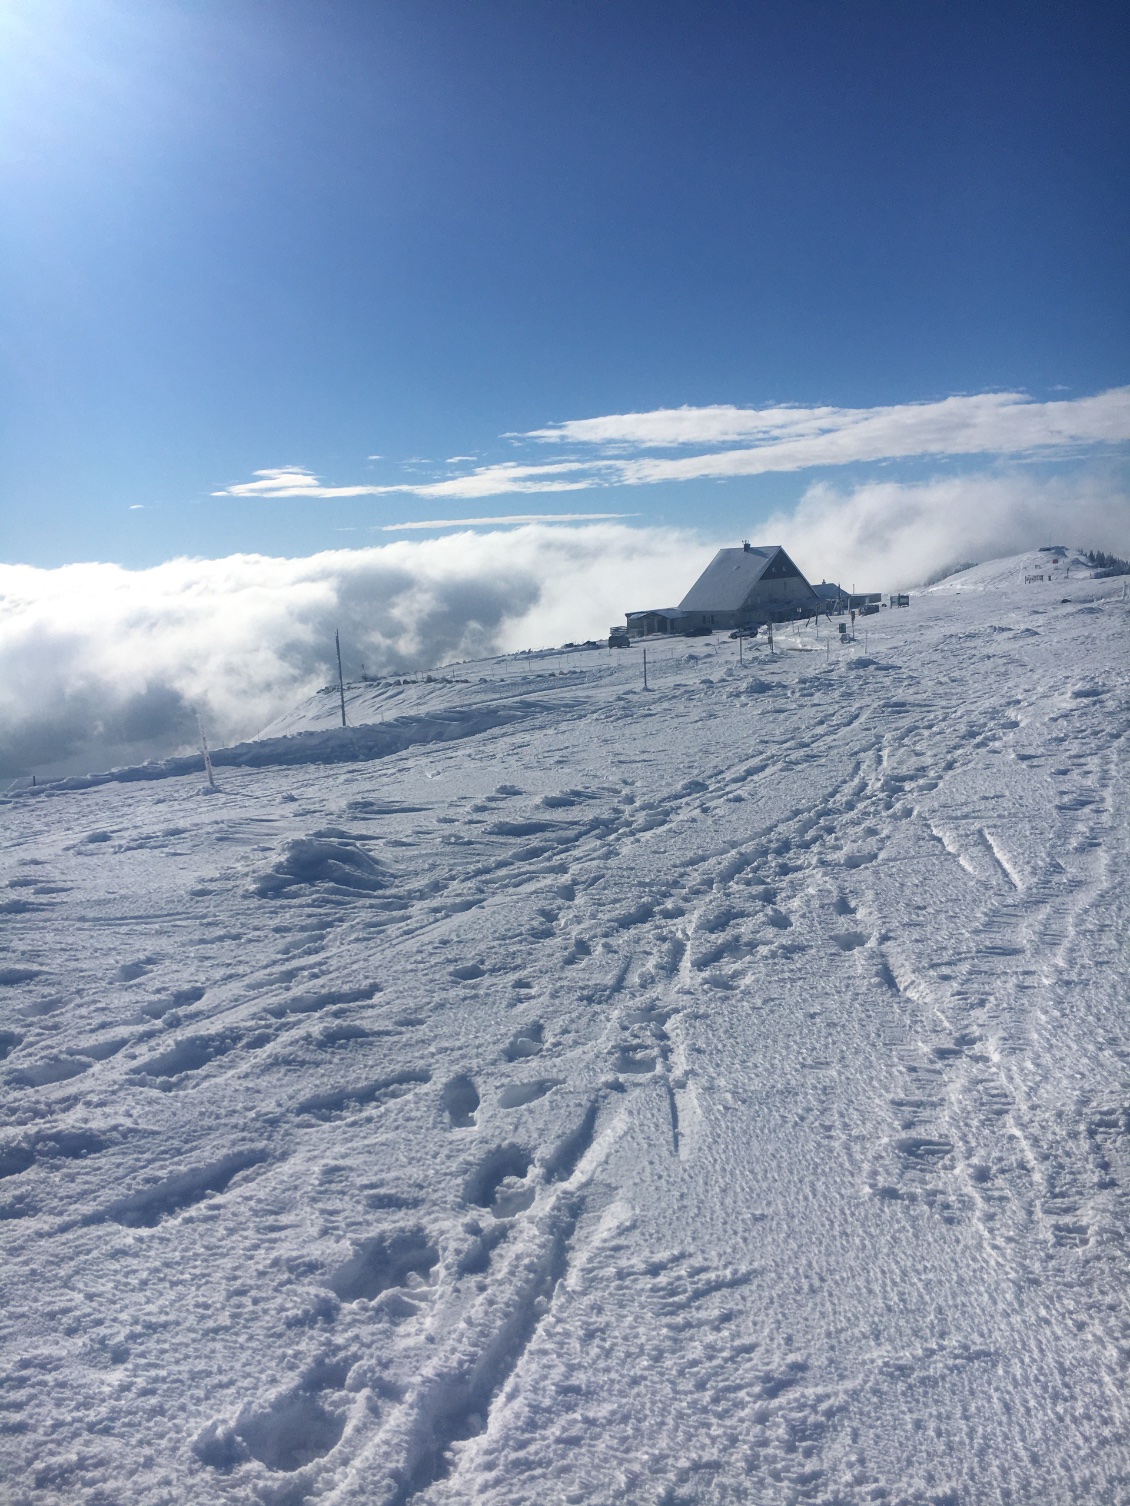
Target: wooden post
(645,669)
(741,655)
(340,679)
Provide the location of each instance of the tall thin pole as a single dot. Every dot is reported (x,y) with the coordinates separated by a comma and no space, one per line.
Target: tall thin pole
(340,679)
(741,657)
(204,750)
(645,669)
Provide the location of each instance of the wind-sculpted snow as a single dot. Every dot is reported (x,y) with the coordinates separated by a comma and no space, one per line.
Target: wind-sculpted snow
(333,745)
(711,1094)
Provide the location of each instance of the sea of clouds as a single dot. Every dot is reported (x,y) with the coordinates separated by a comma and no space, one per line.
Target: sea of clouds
(100,665)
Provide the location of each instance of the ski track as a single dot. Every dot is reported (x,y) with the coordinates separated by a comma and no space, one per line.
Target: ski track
(713,1095)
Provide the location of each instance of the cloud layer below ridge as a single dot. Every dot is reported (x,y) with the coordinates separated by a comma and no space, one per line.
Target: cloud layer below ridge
(99,664)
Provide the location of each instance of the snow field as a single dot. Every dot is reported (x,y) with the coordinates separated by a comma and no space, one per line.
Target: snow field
(717,1094)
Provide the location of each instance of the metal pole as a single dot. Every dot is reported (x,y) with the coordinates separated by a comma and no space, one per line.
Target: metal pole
(645,669)
(741,656)
(204,750)
(340,679)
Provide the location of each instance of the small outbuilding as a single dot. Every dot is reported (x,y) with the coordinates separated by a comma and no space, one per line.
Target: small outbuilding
(655,620)
(833,599)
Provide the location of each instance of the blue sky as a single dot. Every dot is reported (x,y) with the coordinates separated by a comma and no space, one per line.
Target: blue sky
(250,246)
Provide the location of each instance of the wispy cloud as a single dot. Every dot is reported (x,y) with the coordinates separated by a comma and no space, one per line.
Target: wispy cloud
(514,517)
(618,449)
(1002,422)
(789,438)
(485,481)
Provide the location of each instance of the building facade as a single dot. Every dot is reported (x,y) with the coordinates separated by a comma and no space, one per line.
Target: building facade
(740,588)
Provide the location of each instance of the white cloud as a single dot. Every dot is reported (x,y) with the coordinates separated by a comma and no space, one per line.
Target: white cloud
(101,664)
(291,481)
(997,422)
(886,536)
(517,517)
(778,439)
(486,481)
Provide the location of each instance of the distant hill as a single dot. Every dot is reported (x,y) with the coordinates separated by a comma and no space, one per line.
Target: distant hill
(1054,563)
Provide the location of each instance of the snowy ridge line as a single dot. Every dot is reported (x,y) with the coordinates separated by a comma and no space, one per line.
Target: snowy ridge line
(376,699)
(341,745)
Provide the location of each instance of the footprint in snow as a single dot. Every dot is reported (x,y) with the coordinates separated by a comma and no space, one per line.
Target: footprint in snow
(9,976)
(461,1102)
(525,1042)
(50,1146)
(501,1182)
(635,1061)
(187,1055)
(468,972)
(475,1260)
(129,972)
(520,1093)
(380,1264)
(55,1069)
(293,1431)
(847,941)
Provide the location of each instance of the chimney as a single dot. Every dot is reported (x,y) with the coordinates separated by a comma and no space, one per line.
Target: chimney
(745,545)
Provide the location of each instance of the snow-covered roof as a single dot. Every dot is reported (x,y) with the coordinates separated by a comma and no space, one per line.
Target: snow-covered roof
(732,574)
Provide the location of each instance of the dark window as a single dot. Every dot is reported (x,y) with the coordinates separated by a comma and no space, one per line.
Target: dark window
(780,568)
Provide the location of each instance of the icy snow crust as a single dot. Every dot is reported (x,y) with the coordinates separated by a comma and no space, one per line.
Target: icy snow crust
(713,1094)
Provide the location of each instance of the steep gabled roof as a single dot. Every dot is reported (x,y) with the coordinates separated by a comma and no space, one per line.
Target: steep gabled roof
(732,574)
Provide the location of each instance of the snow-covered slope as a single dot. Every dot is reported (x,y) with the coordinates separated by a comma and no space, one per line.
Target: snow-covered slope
(1053,565)
(710,1094)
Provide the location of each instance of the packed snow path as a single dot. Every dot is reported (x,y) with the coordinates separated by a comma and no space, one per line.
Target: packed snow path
(713,1094)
